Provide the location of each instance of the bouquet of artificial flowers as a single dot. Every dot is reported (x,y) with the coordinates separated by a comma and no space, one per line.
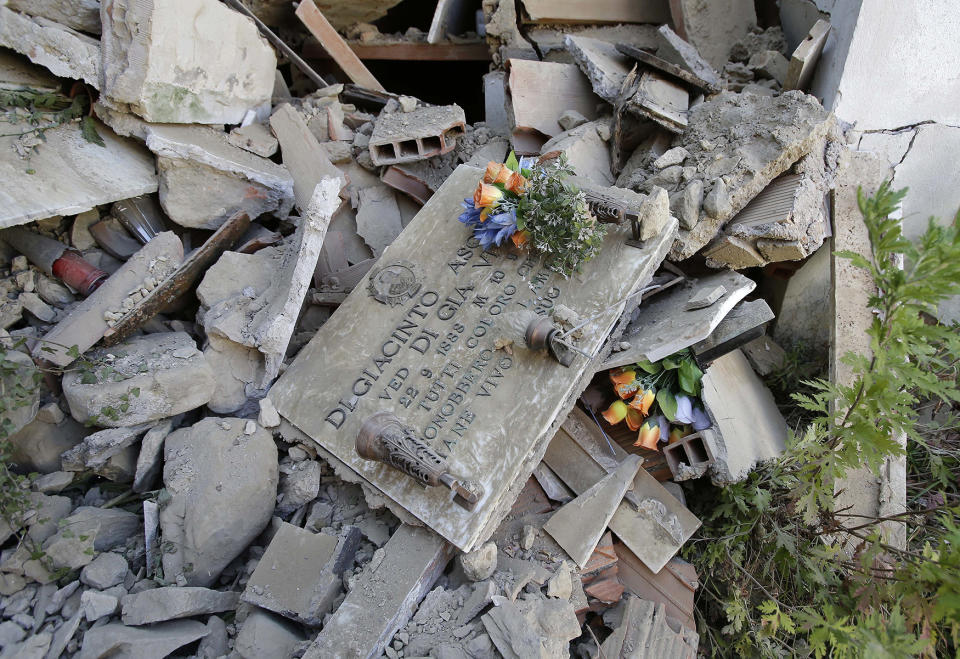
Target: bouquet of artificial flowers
(535,209)
(656,396)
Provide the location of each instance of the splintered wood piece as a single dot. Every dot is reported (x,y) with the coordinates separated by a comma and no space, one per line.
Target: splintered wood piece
(578,525)
(670,68)
(608,591)
(180,281)
(674,586)
(334,44)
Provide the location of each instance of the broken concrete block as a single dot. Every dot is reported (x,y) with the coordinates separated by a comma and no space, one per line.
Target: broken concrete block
(747,425)
(672,48)
(704,297)
(533,121)
(86,323)
(664,326)
(532,628)
(299,485)
(803,320)
(171,602)
(586,152)
(96,605)
(602,63)
(661,99)
(734,253)
(150,457)
(578,525)
(65,52)
(264,634)
(781,131)
(689,457)
(223,485)
(495,102)
(204,179)
(116,640)
(303,156)
(378,217)
(152,377)
(674,156)
(107,453)
(744,323)
(67,174)
(571,119)
(106,570)
(238,373)
(384,596)
(408,136)
(803,61)
(480,563)
(83,15)
(686,204)
(713,28)
(300,574)
(764,354)
(644,624)
(255,138)
(184,61)
(769,64)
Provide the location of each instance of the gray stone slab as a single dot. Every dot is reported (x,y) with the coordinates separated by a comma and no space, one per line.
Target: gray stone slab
(67,174)
(578,525)
(65,52)
(431,359)
(664,325)
(744,317)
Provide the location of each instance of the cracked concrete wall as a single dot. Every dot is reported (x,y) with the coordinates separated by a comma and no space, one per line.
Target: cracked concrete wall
(912,119)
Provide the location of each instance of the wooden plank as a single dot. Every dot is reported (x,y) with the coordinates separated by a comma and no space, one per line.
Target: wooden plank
(328,37)
(673,586)
(302,154)
(596,11)
(450,17)
(667,67)
(477,51)
(180,281)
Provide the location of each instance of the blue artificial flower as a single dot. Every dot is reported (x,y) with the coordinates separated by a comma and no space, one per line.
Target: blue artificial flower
(700,420)
(496,229)
(684,410)
(664,427)
(471,216)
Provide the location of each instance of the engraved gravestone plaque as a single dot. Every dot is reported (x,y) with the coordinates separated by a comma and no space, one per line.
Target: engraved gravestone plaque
(418,339)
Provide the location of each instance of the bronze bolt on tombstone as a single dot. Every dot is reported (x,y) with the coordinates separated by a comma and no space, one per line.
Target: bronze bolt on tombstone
(384,438)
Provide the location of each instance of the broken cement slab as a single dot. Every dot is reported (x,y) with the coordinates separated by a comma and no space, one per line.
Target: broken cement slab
(601,62)
(65,52)
(713,28)
(532,121)
(255,138)
(205,179)
(578,525)
(804,314)
(151,377)
(644,624)
(747,425)
(301,573)
(660,99)
(747,141)
(673,48)
(739,325)
(663,326)
(85,324)
(117,640)
(17,72)
(669,68)
(96,450)
(585,150)
(310,398)
(652,523)
(67,175)
(803,61)
(302,154)
(82,15)
(184,61)
(273,317)
(549,39)
(172,602)
(378,218)
(384,595)
(532,628)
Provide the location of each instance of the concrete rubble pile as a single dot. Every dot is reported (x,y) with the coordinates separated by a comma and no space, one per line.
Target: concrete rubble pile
(199,274)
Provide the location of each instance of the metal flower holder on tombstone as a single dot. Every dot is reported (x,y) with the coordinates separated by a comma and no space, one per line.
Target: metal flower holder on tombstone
(435,341)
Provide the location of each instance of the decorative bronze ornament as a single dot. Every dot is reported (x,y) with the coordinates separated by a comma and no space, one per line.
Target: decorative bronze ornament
(542,333)
(384,438)
(394,283)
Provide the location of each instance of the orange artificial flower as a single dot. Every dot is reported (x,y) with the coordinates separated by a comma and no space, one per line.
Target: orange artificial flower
(634,419)
(486,195)
(649,435)
(620,376)
(520,238)
(515,183)
(677,433)
(490,175)
(615,413)
(626,390)
(642,402)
